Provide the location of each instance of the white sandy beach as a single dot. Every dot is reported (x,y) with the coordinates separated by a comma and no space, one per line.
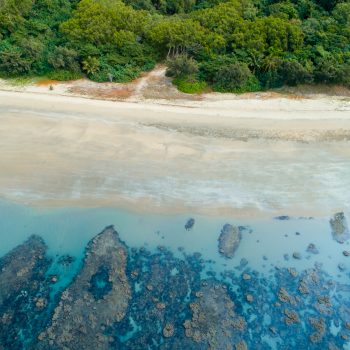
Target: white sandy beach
(215,155)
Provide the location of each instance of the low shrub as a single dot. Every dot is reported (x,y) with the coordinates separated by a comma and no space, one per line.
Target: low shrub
(235,77)
(292,72)
(64,75)
(190,85)
(118,73)
(328,71)
(181,66)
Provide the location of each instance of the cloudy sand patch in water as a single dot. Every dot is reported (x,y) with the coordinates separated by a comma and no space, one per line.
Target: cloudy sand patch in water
(214,158)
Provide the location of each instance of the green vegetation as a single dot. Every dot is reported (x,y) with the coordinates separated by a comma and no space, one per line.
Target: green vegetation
(228,45)
(190,85)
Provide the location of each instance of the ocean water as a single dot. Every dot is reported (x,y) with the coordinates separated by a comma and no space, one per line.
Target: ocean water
(68,230)
(265,252)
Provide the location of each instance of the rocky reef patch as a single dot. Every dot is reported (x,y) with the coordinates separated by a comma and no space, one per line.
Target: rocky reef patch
(24,293)
(189,224)
(340,229)
(136,298)
(229,240)
(214,323)
(96,299)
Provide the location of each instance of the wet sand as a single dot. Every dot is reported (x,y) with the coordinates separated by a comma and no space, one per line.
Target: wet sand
(241,156)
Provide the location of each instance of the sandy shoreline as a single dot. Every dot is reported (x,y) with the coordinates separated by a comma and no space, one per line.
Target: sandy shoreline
(242,157)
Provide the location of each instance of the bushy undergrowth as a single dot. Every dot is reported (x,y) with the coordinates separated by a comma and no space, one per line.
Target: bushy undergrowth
(64,75)
(190,85)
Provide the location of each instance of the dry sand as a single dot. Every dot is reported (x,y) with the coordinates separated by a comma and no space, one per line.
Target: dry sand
(213,154)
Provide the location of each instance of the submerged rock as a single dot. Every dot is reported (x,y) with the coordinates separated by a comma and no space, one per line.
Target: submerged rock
(97,298)
(282,217)
(241,345)
(66,260)
(243,263)
(340,229)
(291,317)
(324,300)
(189,224)
(293,272)
(303,288)
(168,330)
(312,249)
(18,267)
(246,277)
(320,329)
(297,255)
(24,292)
(172,306)
(214,321)
(229,240)
(159,311)
(285,297)
(341,266)
(249,298)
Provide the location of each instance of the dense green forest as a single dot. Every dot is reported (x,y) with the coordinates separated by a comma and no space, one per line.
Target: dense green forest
(234,45)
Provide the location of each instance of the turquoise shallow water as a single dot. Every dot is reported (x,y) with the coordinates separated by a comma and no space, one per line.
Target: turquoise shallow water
(266,246)
(68,230)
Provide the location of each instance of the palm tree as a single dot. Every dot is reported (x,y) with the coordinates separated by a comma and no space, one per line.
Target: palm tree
(91,65)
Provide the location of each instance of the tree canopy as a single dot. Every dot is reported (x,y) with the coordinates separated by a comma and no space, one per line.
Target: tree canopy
(236,45)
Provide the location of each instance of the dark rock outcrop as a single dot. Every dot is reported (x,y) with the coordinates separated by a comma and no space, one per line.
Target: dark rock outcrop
(282,217)
(189,224)
(214,321)
(97,298)
(229,240)
(174,304)
(312,249)
(24,292)
(340,229)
